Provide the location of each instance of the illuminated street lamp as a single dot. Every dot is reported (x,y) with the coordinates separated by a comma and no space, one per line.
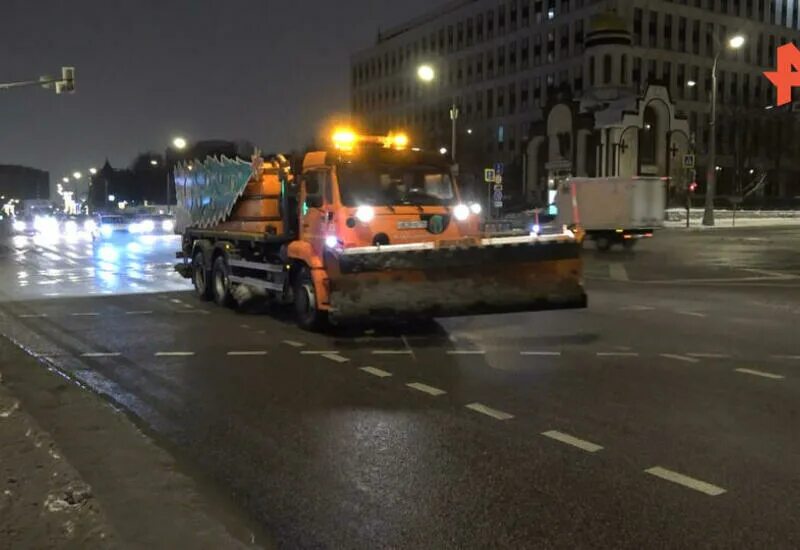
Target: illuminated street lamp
(691,83)
(734,43)
(93,171)
(65,179)
(153,162)
(179,143)
(427,74)
(77,175)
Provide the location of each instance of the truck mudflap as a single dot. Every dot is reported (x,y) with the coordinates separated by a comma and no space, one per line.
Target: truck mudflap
(493,275)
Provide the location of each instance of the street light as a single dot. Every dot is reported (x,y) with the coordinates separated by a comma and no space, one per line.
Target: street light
(179,143)
(691,83)
(427,74)
(734,43)
(153,162)
(65,179)
(77,175)
(93,171)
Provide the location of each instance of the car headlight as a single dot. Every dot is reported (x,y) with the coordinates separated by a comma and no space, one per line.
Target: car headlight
(365,214)
(89,226)
(536,229)
(461,212)
(70,227)
(106,230)
(19,225)
(147,226)
(331,241)
(475,208)
(168,225)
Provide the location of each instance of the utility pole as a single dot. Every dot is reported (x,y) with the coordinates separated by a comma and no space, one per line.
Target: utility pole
(65,84)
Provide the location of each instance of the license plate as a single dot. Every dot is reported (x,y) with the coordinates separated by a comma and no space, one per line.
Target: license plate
(414,224)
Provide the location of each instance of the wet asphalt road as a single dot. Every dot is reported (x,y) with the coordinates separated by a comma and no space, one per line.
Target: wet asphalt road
(665,415)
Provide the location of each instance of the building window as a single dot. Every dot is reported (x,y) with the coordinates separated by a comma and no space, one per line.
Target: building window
(723,6)
(564,42)
(526,13)
(537,89)
(537,11)
(695,37)
(681,81)
(501,19)
(489,24)
(460,35)
(524,93)
(651,71)
(637,71)
(606,69)
(537,49)
(512,14)
(479,68)
(579,35)
(682,34)
(668,31)
(652,29)
(489,65)
(525,52)
(450,38)
(501,102)
(501,60)
(591,71)
(512,57)
(551,46)
(512,99)
(710,39)
(623,70)
(479,27)
(489,103)
(637,26)
(470,31)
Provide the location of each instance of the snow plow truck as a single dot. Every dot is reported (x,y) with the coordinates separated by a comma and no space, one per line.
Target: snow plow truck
(370,228)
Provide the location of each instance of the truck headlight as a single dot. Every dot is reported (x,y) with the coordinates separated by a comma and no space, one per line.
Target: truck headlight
(475,208)
(331,241)
(106,230)
(147,226)
(461,212)
(365,214)
(168,225)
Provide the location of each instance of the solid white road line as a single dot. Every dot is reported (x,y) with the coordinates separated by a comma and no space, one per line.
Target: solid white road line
(686,481)
(294,344)
(391,352)
(430,390)
(691,313)
(617,354)
(637,308)
(335,357)
(488,411)
(101,354)
(143,312)
(246,353)
(376,372)
(466,352)
(318,352)
(32,315)
(89,314)
(541,353)
(617,272)
(582,444)
(174,353)
(680,358)
(761,373)
(709,355)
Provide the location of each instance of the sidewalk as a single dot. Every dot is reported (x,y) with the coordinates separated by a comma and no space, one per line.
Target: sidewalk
(676,218)
(76,473)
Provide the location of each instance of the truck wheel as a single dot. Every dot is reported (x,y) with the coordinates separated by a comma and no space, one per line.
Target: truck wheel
(221,282)
(603,243)
(309,317)
(200,276)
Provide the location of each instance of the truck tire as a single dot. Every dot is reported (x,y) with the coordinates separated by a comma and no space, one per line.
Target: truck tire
(603,243)
(200,276)
(308,316)
(221,282)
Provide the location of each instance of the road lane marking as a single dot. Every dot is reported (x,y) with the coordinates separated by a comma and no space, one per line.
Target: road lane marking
(761,373)
(391,352)
(466,352)
(582,444)
(792,357)
(200,311)
(32,315)
(680,358)
(175,301)
(89,314)
(617,272)
(294,344)
(541,353)
(101,354)
(686,481)
(617,354)
(488,411)
(142,312)
(318,352)
(424,388)
(376,372)
(709,355)
(245,353)
(637,308)
(174,353)
(245,326)
(691,313)
(335,357)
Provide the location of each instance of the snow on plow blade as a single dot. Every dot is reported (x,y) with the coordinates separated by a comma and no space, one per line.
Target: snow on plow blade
(498,275)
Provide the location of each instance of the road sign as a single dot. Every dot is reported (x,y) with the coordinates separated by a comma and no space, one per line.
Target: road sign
(688,161)
(498,179)
(498,186)
(498,168)
(489,175)
(498,204)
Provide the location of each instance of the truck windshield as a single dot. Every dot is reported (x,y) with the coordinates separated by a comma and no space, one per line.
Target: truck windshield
(395,185)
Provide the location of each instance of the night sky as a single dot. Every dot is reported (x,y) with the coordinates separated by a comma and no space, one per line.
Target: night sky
(148,70)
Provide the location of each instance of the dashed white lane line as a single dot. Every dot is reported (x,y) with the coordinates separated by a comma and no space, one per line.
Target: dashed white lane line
(391,352)
(761,373)
(617,272)
(582,444)
(686,481)
(87,314)
(691,313)
(142,312)
(294,344)
(424,388)
(32,315)
(318,352)
(466,352)
(174,353)
(335,357)
(376,372)
(637,308)
(709,355)
(617,354)
(246,353)
(101,354)
(175,301)
(683,358)
(541,353)
(790,357)
(488,411)
(200,311)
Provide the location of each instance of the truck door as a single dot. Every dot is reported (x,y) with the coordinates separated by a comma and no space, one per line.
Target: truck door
(316,211)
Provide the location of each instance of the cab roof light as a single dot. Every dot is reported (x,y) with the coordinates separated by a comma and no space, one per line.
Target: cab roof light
(346,139)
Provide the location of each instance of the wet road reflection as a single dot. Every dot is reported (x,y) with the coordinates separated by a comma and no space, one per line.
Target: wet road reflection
(75,265)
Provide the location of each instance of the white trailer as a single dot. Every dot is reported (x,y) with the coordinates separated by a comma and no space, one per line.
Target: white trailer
(613,210)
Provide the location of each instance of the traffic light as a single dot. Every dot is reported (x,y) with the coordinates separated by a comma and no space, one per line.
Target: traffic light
(67,82)
(693,187)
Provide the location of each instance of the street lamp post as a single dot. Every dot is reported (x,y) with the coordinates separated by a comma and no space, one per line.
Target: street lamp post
(734,43)
(426,73)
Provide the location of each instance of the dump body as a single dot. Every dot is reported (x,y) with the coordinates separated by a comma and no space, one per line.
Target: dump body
(612,203)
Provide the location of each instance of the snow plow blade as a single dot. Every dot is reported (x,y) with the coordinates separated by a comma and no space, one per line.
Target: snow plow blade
(492,275)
